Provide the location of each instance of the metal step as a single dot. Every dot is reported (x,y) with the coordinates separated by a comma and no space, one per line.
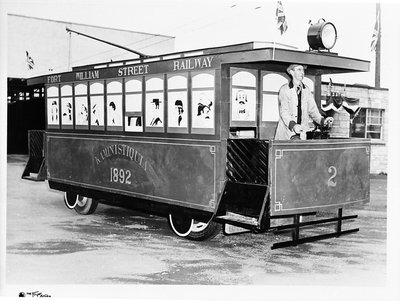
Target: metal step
(237,219)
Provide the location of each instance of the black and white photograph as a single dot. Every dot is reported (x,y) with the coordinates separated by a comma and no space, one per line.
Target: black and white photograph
(199,150)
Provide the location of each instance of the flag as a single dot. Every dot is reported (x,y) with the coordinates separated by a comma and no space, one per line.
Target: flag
(375,34)
(281,18)
(29,61)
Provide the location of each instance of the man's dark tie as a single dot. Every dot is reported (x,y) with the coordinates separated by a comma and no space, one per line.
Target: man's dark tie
(299,105)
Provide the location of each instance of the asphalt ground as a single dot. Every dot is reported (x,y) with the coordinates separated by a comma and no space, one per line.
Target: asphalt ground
(47,244)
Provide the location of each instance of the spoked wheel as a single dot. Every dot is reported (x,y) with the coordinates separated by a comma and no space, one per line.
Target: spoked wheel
(192,229)
(81,204)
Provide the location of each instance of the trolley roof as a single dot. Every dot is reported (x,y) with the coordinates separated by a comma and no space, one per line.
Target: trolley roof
(259,55)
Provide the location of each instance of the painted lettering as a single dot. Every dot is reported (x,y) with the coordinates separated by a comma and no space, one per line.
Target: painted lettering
(85,75)
(133,70)
(176,65)
(189,64)
(121,150)
(53,79)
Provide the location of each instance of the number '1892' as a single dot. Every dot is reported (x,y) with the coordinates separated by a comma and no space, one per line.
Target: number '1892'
(120,175)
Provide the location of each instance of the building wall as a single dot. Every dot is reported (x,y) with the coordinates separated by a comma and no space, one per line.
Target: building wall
(54,50)
(369,98)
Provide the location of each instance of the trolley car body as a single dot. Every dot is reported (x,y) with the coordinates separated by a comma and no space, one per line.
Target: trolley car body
(174,135)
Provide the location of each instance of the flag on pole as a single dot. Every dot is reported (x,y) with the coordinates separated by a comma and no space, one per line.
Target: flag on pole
(29,61)
(375,34)
(281,18)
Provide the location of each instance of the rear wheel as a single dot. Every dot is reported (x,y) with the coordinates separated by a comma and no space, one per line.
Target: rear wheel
(85,205)
(191,229)
(81,204)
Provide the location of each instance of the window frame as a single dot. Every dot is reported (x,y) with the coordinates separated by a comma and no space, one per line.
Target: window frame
(170,91)
(66,126)
(366,117)
(58,104)
(107,103)
(136,114)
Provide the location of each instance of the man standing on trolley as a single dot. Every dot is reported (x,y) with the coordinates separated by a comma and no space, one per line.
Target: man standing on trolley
(296,105)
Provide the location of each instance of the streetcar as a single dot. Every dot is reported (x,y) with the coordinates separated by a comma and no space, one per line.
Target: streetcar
(190,136)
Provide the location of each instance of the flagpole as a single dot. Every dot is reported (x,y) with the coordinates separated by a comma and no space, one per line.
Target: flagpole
(378,49)
(69,52)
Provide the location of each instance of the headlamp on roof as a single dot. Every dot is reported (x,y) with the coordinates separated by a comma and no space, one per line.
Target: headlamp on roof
(322,35)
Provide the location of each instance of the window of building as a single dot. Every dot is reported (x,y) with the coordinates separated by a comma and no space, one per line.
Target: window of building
(114,105)
(133,105)
(203,102)
(96,90)
(38,92)
(53,110)
(368,124)
(81,107)
(67,107)
(155,104)
(178,103)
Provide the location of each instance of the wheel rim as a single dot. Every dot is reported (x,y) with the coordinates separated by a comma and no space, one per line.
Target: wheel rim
(81,201)
(198,226)
(181,227)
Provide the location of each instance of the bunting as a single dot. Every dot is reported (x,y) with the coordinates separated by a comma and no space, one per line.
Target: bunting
(336,102)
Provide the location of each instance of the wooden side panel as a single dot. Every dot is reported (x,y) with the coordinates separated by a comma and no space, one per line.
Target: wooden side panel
(313,175)
(182,174)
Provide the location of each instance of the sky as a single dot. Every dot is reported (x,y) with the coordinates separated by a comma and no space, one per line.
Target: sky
(200,24)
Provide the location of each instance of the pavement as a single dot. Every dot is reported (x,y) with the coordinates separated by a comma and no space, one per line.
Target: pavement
(47,244)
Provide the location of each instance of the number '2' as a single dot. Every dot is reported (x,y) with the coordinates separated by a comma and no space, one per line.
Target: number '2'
(331,182)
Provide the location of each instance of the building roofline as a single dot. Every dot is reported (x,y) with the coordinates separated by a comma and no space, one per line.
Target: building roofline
(89,25)
(356,85)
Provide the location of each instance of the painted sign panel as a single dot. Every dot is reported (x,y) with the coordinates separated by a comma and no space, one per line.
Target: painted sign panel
(185,64)
(179,174)
(312,176)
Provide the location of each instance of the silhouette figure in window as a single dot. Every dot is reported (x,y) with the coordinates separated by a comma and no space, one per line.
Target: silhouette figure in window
(179,107)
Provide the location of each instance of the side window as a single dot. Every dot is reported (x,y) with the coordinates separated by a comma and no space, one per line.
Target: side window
(271,83)
(66,107)
(243,98)
(155,104)
(81,107)
(53,113)
(133,105)
(203,103)
(368,123)
(96,105)
(178,103)
(114,105)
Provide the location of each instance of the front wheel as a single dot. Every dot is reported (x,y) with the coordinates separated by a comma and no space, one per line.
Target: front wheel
(192,229)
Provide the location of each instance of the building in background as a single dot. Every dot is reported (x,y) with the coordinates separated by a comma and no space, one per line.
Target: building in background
(369,122)
(39,46)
